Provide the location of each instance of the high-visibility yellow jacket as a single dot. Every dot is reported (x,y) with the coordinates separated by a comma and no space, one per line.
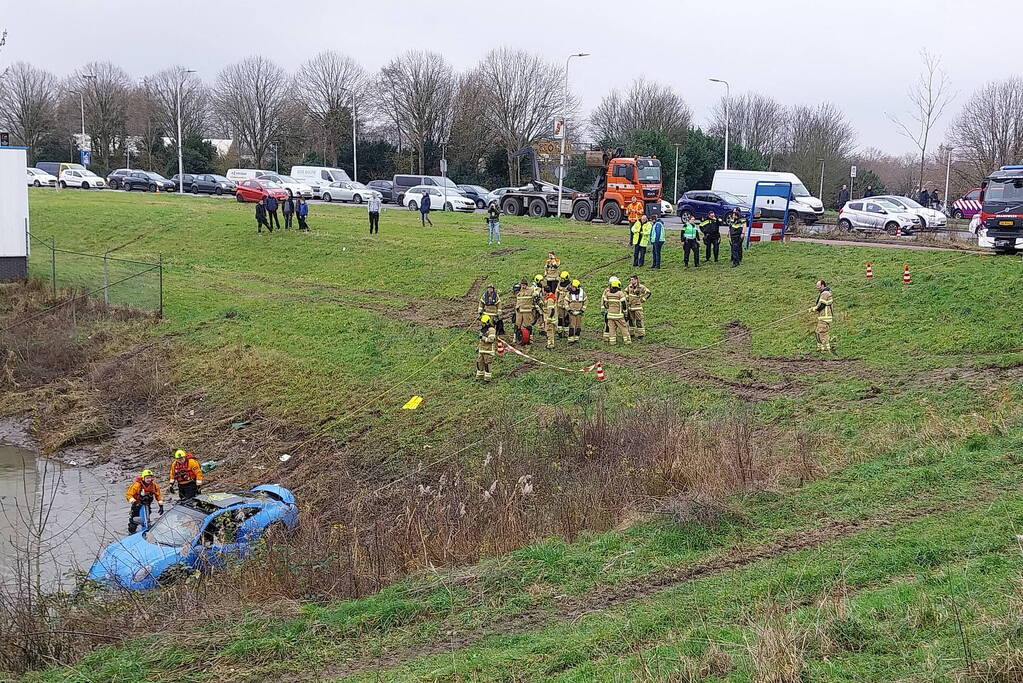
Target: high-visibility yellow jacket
(641,233)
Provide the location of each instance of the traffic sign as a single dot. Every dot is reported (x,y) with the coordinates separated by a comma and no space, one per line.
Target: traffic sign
(85,156)
(5,139)
(444,167)
(852,171)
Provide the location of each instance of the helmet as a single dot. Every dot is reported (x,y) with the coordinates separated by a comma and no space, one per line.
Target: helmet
(484,318)
(537,278)
(146,473)
(179,453)
(575,283)
(611,279)
(615,282)
(564,275)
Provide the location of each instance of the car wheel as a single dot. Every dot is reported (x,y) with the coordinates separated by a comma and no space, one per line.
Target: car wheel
(85,186)
(892,228)
(844,224)
(195,189)
(357,199)
(448,207)
(218,191)
(62,184)
(538,208)
(958,214)
(127,187)
(612,213)
(412,206)
(686,216)
(326,197)
(480,204)
(152,188)
(583,211)
(36,183)
(511,206)
(239,197)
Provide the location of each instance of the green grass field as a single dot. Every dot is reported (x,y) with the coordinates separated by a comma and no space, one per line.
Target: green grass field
(898,561)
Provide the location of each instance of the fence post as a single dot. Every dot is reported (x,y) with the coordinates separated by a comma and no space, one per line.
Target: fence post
(161,285)
(106,281)
(53,264)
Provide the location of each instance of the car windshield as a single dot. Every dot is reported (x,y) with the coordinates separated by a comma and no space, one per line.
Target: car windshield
(154,175)
(288,179)
(358,186)
(89,174)
(904,201)
(269,184)
(1004,192)
(889,204)
(220,179)
(730,198)
(799,191)
(446,182)
(177,526)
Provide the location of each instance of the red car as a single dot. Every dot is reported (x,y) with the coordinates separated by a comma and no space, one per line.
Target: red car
(254,190)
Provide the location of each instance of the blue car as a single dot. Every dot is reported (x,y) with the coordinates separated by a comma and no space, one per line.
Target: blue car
(199,534)
(698,203)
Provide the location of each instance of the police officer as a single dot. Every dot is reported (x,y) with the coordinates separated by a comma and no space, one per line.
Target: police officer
(690,242)
(711,229)
(736,231)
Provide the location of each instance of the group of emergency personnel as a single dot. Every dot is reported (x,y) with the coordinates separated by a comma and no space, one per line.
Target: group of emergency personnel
(646,233)
(185,475)
(554,304)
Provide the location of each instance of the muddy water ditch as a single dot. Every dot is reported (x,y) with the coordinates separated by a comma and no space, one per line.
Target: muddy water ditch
(55,516)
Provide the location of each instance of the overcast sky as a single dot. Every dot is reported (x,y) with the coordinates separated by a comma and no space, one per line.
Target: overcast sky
(860,55)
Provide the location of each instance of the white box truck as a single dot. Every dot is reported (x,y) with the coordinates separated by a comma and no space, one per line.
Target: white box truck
(808,209)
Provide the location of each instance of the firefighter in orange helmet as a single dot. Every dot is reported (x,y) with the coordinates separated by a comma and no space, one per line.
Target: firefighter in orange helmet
(141,493)
(186,473)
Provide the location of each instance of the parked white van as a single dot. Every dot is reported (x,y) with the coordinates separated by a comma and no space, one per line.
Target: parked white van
(808,208)
(319,177)
(236,175)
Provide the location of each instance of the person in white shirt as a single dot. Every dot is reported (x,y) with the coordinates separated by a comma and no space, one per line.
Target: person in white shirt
(373,206)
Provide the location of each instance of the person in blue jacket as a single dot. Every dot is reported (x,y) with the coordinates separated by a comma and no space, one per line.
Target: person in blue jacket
(271,210)
(301,211)
(657,240)
(424,210)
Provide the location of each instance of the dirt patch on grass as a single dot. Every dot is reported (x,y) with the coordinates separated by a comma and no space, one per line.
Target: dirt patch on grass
(974,376)
(504,252)
(473,292)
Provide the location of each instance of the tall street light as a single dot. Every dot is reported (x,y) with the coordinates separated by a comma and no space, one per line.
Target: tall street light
(181,169)
(948,169)
(81,101)
(821,194)
(675,186)
(564,132)
(728,99)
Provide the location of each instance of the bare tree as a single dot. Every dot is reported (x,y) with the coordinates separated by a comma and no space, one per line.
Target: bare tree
(417,90)
(249,97)
(929,98)
(756,122)
(104,87)
(164,88)
(28,104)
(988,131)
(523,95)
(471,137)
(328,83)
(646,105)
(815,133)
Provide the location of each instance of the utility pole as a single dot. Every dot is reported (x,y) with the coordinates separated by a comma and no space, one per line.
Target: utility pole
(564,131)
(728,100)
(674,188)
(181,165)
(821,195)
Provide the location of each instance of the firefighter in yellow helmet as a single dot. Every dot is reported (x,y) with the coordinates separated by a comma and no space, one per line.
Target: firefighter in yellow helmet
(186,474)
(537,291)
(824,308)
(561,294)
(550,269)
(636,293)
(524,312)
(575,300)
(141,493)
(615,306)
(486,349)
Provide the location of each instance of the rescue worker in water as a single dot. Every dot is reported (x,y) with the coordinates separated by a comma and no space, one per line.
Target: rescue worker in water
(142,492)
(186,474)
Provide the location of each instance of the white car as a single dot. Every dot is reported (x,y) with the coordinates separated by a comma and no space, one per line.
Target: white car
(931,219)
(439,200)
(83,179)
(38,178)
(876,215)
(666,208)
(348,191)
(294,187)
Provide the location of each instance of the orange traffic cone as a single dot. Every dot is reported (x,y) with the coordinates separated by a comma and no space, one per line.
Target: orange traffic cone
(600,372)
(905,275)
(870,271)
(157,189)
(898,231)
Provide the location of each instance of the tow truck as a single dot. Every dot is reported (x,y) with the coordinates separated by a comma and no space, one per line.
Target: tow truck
(1000,221)
(623,179)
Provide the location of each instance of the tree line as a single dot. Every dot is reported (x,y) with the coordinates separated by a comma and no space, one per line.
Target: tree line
(417,109)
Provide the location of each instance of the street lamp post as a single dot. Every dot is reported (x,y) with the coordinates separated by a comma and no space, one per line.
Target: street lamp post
(81,101)
(181,165)
(821,194)
(355,148)
(728,99)
(564,132)
(674,187)
(948,169)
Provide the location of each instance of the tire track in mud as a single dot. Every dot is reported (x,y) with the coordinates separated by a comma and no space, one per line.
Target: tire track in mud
(536,618)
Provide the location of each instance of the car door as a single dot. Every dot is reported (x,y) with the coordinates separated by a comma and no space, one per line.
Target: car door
(874,216)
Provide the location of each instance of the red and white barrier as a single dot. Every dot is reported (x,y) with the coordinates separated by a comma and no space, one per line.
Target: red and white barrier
(765,232)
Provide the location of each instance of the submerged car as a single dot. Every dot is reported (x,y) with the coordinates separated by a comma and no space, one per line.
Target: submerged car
(199,534)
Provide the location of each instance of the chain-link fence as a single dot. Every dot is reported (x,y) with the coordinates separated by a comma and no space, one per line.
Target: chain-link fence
(118,282)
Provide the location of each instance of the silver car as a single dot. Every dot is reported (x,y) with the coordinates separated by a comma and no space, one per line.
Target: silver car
(876,215)
(930,219)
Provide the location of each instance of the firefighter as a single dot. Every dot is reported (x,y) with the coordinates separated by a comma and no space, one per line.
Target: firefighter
(634,210)
(514,311)
(736,229)
(524,307)
(490,303)
(551,268)
(690,242)
(824,308)
(486,349)
(711,229)
(537,292)
(636,294)
(575,300)
(614,306)
(141,492)
(186,474)
(550,317)
(562,293)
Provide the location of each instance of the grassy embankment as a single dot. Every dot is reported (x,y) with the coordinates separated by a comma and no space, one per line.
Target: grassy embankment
(907,537)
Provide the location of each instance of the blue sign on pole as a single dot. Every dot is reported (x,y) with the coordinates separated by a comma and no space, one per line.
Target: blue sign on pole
(86,156)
